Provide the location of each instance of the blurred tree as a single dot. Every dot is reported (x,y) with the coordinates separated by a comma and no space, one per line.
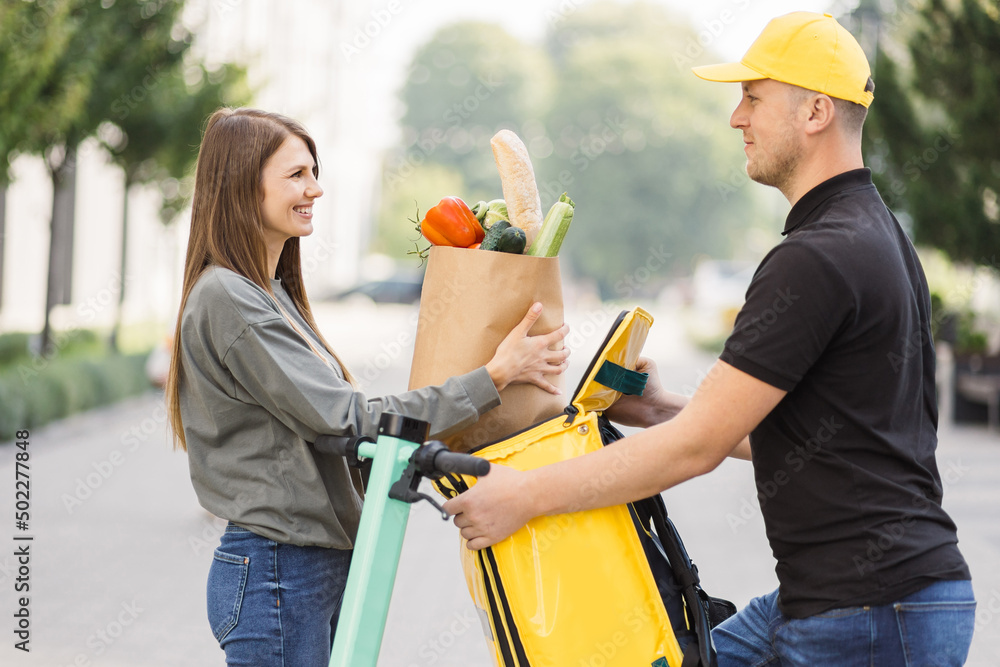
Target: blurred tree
(39,92)
(54,108)
(467,82)
(420,190)
(119,66)
(932,137)
(153,105)
(644,148)
(612,114)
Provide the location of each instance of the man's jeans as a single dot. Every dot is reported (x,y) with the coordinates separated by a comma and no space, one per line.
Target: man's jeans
(932,627)
(274,604)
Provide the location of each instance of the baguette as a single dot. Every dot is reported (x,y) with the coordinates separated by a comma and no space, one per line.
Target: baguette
(517,179)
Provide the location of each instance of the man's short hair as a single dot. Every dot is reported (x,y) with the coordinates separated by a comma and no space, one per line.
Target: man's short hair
(851,114)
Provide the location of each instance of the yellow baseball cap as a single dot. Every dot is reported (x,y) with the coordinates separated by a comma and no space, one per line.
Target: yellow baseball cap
(804,49)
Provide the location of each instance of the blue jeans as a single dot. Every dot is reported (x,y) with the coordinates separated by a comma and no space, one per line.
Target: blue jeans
(275,604)
(932,628)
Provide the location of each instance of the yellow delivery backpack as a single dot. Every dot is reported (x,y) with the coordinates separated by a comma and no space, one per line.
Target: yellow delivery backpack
(598,588)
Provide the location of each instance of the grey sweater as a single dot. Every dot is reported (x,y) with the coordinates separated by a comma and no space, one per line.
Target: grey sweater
(254,396)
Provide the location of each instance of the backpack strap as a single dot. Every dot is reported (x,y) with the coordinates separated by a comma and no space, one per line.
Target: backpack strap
(686,572)
(692,655)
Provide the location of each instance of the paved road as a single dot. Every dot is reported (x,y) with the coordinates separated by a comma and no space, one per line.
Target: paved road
(121,547)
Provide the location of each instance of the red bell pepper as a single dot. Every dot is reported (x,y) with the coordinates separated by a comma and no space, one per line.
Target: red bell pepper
(452,223)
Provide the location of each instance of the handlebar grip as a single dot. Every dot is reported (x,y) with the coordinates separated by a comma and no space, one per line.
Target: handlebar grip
(332,444)
(340,445)
(463,464)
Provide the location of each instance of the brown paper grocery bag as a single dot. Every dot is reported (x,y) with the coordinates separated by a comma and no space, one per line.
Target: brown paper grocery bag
(471,299)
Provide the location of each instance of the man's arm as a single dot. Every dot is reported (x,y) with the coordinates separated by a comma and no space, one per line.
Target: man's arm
(727,406)
(656,405)
(742,450)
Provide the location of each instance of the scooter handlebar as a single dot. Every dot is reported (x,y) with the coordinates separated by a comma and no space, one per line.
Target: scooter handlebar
(434,459)
(463,464)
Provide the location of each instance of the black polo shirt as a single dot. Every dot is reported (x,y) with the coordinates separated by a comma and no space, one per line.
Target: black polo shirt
(838,315)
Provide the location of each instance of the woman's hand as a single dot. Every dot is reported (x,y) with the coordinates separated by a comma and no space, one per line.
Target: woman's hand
(524,359)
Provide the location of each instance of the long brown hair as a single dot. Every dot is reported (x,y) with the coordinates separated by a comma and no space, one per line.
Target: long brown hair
(227,222)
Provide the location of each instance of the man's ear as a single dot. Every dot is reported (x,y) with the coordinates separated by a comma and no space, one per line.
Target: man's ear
(819,113)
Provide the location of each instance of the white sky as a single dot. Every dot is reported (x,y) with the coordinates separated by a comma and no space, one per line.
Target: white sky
(528,19)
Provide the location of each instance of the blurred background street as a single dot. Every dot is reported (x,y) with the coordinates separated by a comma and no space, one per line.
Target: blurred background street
(121,552)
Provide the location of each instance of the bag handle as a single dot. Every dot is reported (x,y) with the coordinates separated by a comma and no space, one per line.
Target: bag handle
(619,378)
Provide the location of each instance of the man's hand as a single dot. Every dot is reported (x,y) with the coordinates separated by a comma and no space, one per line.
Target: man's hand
(641,411)
(655,406)
(494,509)
(727,406)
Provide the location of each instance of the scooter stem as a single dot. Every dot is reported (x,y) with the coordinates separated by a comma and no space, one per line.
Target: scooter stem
(378,545)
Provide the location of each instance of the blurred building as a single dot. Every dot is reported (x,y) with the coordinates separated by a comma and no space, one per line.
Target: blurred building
(299,66)
(315,61)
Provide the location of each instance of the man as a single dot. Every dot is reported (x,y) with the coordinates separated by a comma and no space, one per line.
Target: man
(829,370)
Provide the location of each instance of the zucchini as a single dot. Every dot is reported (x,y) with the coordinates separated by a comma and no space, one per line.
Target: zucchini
(493,235)
(557,220)
(512,240)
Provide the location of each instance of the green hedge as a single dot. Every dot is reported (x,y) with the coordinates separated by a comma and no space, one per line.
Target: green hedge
(15,347)
(34,392)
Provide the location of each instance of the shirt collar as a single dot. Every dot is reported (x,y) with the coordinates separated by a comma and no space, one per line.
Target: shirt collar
(811,200)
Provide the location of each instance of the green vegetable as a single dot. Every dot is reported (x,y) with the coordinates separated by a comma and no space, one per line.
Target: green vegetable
(512,240)
(554,228)
(495,210)
(479,210)
(493,235)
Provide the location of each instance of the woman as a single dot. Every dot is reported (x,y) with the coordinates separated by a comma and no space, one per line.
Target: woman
(252,382)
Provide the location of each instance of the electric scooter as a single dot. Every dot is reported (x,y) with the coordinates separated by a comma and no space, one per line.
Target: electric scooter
(400,459)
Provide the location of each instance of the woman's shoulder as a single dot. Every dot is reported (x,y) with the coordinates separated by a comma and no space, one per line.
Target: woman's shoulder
(221,293)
